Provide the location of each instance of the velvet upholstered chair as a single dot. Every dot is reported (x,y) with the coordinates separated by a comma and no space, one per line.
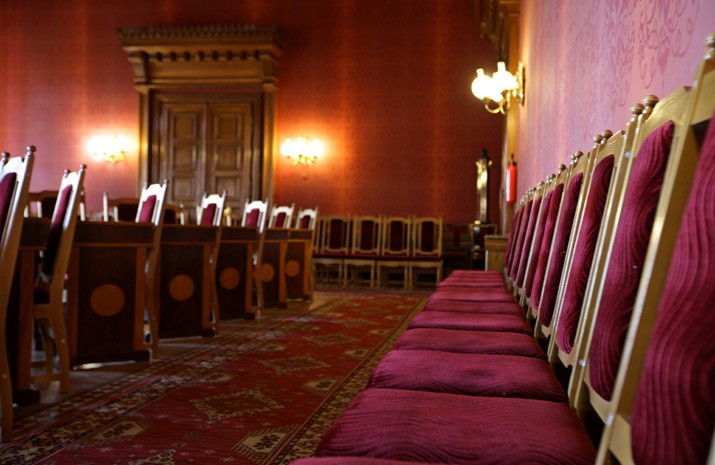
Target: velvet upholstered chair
(395,250)
(335,232)
(427,249)
(151,210)
(48,305)
(364,250)
(307,218)
(281,217)
(15,177)
(255,214)
(210,212)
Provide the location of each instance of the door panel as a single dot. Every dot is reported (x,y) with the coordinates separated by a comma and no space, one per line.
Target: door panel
(208,143)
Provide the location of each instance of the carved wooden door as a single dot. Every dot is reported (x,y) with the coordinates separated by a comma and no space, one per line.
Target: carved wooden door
(207,144)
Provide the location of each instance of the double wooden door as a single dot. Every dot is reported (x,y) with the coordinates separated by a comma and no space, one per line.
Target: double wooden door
(207,143)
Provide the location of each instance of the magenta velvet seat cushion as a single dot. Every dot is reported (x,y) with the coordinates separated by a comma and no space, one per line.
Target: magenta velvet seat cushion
(558,256)
(628,254)
(450,428)
(280,220)
(474,307)
(674,413)
(473,273)
(469,342)
(488,283)
(486,375)
(583,254)
(467,321)
(528,239)
(513,234)
(352,461)
(471,295)
(147,211)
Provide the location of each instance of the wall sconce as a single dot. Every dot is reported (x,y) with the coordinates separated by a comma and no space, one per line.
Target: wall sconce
(301,150)
(495,91)
(108,148)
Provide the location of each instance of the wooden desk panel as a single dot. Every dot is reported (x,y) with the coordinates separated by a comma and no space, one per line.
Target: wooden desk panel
(272,268)
(106,292)
(234,272)
(18,335)
(299,264)
(186,281)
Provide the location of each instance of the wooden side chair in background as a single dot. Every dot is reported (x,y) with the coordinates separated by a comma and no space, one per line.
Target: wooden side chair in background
(174,214)
(15,177)
(119,209)
(395,249)
(210,212)
(364,250)
(334,246)
(48,305)
(427,248)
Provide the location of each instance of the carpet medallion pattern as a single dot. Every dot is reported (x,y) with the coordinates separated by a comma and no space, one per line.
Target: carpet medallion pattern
(263,394)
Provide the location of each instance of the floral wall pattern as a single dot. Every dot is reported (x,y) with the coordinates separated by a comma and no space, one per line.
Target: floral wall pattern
(589,61)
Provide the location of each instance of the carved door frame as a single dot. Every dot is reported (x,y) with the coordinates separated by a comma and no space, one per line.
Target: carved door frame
(209,59)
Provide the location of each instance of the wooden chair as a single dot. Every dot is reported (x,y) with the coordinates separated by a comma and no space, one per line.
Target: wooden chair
(395,249)
(15,177)
(151,210)
(364,250)
(174,214)
(41,204)
(210,212)
(334,246)
(427,249)
(48,306)
(663,409)
(255,214)
(281,217)
(307,218)
(119,209)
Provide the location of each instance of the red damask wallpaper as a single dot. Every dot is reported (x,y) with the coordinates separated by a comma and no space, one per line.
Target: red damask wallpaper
(589,61)
(385,84)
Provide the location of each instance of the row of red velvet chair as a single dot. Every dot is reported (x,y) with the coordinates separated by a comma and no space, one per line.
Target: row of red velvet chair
(371,249)
(628,233)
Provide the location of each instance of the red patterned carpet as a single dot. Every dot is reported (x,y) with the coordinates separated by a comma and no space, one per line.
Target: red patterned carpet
(261,395)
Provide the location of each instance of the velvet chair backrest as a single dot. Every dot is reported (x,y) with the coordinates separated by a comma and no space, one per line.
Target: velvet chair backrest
(427,237)
(15,175)
(307,218)
(151,204)
(281,217)
(366,235)
(55,259)
(336,234)
(254,214)
(396,236)
(211,209)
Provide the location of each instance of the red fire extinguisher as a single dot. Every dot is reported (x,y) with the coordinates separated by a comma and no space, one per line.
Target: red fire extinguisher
(510,188)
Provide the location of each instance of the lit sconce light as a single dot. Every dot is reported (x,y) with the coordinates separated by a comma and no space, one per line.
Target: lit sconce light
(108,148)
(302,151)
(495,91)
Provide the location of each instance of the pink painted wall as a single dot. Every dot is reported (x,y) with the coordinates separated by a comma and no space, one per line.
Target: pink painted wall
(384,83)
(588,61)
